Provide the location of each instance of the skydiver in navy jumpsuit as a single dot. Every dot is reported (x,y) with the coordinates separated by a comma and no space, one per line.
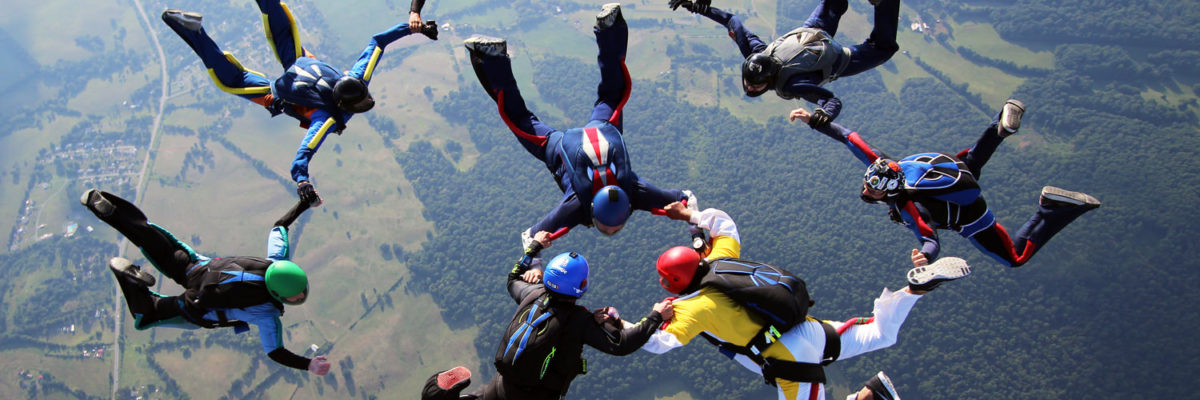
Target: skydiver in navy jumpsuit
(311,91)
(585,161)
(941,191)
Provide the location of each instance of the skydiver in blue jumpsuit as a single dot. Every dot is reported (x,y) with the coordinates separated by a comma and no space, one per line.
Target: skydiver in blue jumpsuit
(311,91)
(590,164)
(799,68)
(930,191)
(219,292)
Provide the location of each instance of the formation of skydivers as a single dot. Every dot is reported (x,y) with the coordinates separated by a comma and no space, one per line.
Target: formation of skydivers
(754,312)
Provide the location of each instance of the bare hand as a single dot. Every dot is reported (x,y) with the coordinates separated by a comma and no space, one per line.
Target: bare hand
(606,314)
(543,237)
(318,366)
(666,308)
(799,114)
(918,259)
(414,22)
(532,276)
(678,211)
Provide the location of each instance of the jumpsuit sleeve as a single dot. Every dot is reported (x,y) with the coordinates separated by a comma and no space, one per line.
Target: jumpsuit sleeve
(812,93)
(748,43)
(364,68)
(270,332)
(925,234)
(567,214)
(322,124)
(624,342)
(726,243)
(278,248)
(518,289)
(416,6)
(853,141)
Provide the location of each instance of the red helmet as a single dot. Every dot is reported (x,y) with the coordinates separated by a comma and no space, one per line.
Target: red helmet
(676,268)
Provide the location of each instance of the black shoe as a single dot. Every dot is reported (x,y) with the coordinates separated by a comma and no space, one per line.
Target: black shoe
(95,201)
(487,45)
(1010,117)
(1054,197)
(881,387)
(430,30)
(609,13)
(125,269)
(188,20)
(943,270)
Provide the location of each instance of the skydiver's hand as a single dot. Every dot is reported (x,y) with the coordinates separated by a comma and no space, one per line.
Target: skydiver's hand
(701,6)
(678,211)
(318,366)
(543,237)
(308,193)
(666,308)
(674,4)
(414,22)
(799,114)
(918,258)
(607,314)
(819,118)
(532,276)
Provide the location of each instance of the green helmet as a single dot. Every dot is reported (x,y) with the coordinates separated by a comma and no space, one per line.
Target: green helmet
(286,279)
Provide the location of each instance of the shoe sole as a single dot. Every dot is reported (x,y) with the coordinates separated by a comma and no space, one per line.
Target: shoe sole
(1020,111)
(448,379)
(610,10)
(479,44)
(887,385)
(944,269)
(190,20)
(1068,197)
(100,206)
(125,267)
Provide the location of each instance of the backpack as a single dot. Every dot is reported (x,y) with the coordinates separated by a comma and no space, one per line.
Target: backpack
(780,301)
(535,352)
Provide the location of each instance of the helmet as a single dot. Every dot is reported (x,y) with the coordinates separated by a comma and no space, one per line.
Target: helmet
(286,279)
(566,274)
(677,267)
(351,95)
(884,175)
(610,208)
(758,69)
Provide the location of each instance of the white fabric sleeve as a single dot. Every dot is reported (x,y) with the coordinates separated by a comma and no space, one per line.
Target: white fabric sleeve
(661,342)
(891,308)
(717,222)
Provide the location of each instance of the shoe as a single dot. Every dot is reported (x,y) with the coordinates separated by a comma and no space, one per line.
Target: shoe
(457,377)
(873,4)
(608,15)
(1010,117)
(1058,197)
(692,203)
(945,269)
(187,19)
(881,387)
(125,268)
(430,30)
(94,200)
(487,45)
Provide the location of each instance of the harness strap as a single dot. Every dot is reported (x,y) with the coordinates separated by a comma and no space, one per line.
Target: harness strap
(782,369)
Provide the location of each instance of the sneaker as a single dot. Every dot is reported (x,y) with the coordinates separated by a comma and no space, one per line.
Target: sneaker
(187,19)
(608,15)
(459,377)
(94,200)
(1010,117)
(487,45)
(430,30)
(873,4)
(1058,197)
(692,203)
(945,269)
(125,268)
(881,387)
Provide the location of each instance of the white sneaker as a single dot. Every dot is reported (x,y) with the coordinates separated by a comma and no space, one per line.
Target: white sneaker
(1010,117)
(1058,197)
(487,45)
(692,203)
(881,386)
(945,269)
(608,15)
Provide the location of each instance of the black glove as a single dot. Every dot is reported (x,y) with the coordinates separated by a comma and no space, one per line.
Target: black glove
(701,6)
(675,4)
(819,118)
(308,194)
(430,29)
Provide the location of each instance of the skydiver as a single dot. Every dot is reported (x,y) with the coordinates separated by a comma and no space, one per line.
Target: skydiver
(311,91)
(795,358)
(219,292)
(799,63)
(931,191)
(589,164)
(558,285)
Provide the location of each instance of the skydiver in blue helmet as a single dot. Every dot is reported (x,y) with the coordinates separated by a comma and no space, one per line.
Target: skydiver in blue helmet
(218,292)
(797,64)
(931,191)
(540,353)
(590,164)
(320,96)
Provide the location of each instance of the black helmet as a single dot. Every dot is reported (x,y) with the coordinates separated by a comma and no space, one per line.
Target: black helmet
(884,175)
(758,69)
(351,95)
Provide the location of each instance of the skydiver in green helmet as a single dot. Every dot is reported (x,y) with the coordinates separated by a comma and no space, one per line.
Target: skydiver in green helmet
(219,292)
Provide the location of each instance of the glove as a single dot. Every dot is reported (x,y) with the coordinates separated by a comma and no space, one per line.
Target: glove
(674,4)
(430,29)
(819,118)
(701,6)
(308,194)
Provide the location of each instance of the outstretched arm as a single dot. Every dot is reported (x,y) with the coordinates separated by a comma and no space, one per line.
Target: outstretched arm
(748,43)
(270,331)
(365,66)
(853,141)
(628,339)
(414,15)
(827,103)
(569,213)
(322,124)
(278,244)
(291,215)
(911,216)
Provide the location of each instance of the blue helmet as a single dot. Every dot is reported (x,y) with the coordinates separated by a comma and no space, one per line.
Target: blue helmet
(610,209)
(566,274)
